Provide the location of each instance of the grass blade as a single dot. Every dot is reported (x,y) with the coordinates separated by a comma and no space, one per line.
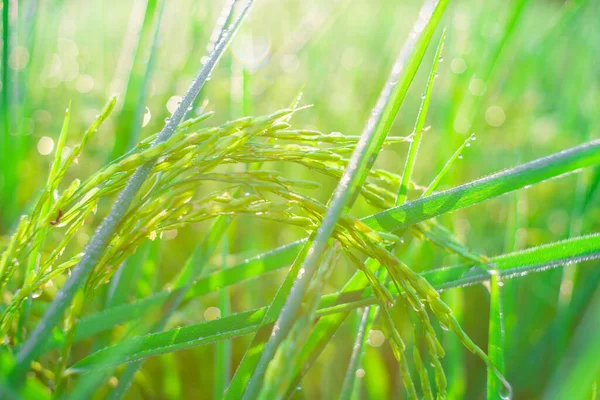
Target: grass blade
(578,370)
(370,312)
(96,246)
(470,104)
(523,176)
(361,337)
(475,191)
(184,281)
(444,171)
(519,263)
(496,335)
(6,152)
(280,372)
(362,159)
(419,126)
(129,121)
(223,350)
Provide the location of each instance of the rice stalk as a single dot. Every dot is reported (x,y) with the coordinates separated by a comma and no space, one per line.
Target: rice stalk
(97,245)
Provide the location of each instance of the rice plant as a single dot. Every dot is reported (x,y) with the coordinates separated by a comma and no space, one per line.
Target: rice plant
(228,253)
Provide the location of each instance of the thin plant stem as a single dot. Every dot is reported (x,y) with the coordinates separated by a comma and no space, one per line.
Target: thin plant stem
(354,175)
(419,125)
(99,241)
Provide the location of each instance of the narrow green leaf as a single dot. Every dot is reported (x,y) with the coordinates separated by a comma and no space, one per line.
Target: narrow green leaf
(7,160)
(471,104)
(99,241)
(200,257)
(496,336)
(129,121)
(192,269)
(288,300)
(578,369)
(485,188)
(513,264)
(223,349)
(523,176)
(444,171)
(280,373)
(123,283)
(361,338)
(419,126)
(56,164)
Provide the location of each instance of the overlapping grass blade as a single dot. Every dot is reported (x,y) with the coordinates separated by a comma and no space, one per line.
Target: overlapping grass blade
(289,298)
(511,265)
(280,372)
(370,313)
(223,349)
(475,191)
(6,139)
(496,334)
(578,369)
(470,104)
(446,168)
(129,121)
(419,126)
(362,335)
(97,244)
(192,269)
(196,263)
(47,243)
(527,174)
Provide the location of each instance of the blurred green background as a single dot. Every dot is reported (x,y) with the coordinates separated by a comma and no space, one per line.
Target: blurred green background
(524,76)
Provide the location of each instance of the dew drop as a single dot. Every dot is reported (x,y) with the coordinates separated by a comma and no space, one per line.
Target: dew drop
(460,156)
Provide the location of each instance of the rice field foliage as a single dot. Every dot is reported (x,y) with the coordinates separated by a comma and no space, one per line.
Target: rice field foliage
(229,200)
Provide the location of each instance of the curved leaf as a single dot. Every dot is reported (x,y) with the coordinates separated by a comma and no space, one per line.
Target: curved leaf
(390,220)
(513,264)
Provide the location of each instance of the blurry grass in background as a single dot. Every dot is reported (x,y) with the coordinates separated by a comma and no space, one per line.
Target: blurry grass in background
(523,76)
